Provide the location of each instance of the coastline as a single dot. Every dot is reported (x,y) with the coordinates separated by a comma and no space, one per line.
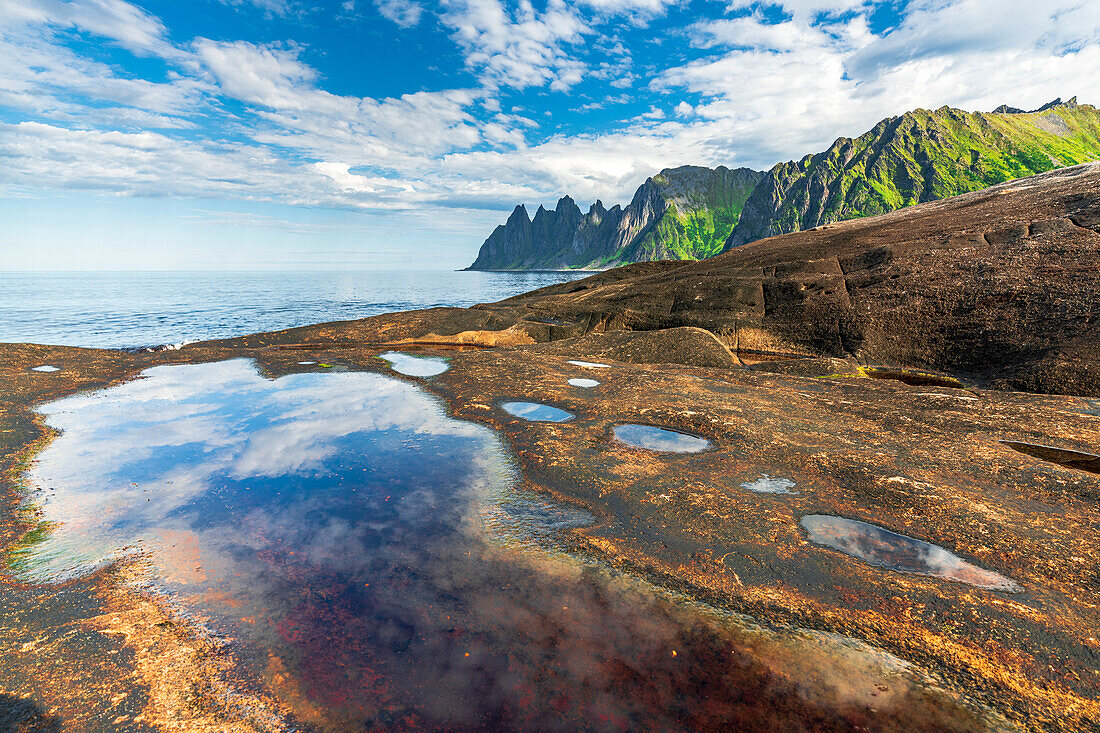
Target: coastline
(873,431)
(767,583)
(537,270)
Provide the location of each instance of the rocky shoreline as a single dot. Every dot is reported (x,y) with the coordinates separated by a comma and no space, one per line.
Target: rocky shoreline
(892,371)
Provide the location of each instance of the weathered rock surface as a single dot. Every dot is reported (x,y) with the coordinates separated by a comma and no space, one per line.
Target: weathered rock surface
(1001,286)
(685,345)
(938,464)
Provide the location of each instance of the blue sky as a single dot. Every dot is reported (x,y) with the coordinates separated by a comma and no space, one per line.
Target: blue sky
(245,134)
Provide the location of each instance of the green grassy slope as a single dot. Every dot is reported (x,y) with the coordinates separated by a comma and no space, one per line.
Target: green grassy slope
(921,156)
(703,207)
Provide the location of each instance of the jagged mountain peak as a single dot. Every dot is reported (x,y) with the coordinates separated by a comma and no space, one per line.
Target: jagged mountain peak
(1004,109)
(680,213)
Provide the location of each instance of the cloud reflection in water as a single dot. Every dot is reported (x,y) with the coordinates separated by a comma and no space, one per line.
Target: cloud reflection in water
(887,549)
(659,439)
(332,526)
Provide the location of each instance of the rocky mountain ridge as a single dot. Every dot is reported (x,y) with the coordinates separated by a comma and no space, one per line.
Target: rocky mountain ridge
(680,213)
(691,212)
(923,155)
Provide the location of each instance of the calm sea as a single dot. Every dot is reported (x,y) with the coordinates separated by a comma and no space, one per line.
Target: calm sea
(134,309)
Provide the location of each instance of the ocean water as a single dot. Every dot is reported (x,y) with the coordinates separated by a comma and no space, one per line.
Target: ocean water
(135,309)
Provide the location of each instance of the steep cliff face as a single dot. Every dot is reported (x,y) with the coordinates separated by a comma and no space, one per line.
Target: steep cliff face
(680,213)
(920,156)
(702,207)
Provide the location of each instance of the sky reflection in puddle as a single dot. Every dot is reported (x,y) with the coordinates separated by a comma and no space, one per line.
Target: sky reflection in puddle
(333,526)
(659,439)
(768,485)
(45,368)
(881,547)
(536,412)
(589,364)
(415,366)
(578,382)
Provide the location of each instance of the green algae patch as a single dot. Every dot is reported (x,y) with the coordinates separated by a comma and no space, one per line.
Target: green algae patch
(21,556)
(26,529)
(911,377)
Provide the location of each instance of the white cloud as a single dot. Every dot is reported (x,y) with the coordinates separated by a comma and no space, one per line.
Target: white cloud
(138,164)
(805,11)
(756,92)
(750,32)
(272,7)
(127,25)
(969,29)
(267,76)
(646,8)
(521,47)
(41,76)
(776,91)
(404,13)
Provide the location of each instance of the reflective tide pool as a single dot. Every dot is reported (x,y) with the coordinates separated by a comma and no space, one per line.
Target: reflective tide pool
(370,559)
(893,551)
(415,366)
(768,485)
(536,412)
(221,455)
(659,439)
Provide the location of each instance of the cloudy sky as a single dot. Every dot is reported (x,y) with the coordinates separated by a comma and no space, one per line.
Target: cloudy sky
(243,134)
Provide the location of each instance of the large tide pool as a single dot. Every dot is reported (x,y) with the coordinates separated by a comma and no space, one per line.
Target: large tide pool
(342,530)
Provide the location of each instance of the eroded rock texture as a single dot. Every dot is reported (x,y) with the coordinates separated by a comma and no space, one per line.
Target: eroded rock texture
(1000,286)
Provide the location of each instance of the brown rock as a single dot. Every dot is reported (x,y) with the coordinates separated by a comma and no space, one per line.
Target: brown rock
(1000,287)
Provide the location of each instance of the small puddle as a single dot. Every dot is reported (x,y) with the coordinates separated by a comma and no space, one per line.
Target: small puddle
(45,369)
(305,363)
(577,382)
(1063,457)
(590,364)
(415,366)
(536,412)
(659,439)
(893,551)
(768,485)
